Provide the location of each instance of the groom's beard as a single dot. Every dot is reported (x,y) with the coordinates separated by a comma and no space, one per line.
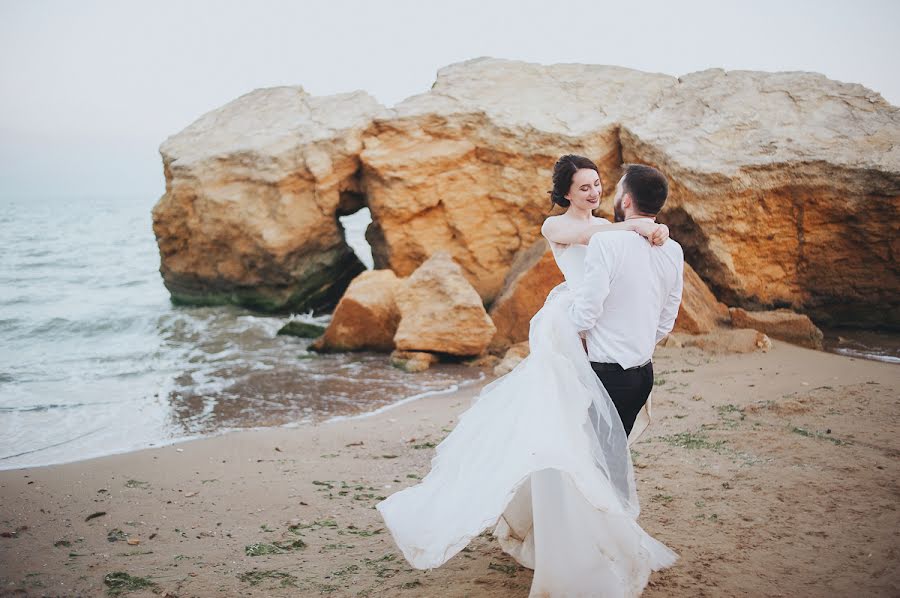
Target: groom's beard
(618,212)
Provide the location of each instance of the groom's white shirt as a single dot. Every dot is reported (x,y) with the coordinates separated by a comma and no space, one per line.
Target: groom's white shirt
(629,296)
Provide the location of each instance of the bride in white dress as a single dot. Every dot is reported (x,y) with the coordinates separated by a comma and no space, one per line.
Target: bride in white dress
(541,455)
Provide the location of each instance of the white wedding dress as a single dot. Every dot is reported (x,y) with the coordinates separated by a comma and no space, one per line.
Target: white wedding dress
(541,456)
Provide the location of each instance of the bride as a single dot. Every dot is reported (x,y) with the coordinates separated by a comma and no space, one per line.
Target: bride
(541,455)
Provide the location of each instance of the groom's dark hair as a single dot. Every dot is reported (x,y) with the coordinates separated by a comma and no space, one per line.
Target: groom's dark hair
(647,186)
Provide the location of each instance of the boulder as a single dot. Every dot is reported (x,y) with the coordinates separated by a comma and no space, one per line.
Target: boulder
(532,276)
(513,357)
(729,340)
(366,317)
(413,361)
(252,193)
(440,312)
(700,312)
(782,324)
(301,329)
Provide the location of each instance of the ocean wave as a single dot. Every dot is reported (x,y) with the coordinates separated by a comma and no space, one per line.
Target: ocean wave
(58,327)
(867,354)
(50,406)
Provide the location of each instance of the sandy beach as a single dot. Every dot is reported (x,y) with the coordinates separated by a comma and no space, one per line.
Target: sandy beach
(771,474)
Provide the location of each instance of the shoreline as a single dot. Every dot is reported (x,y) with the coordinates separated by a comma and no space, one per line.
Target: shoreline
(761,470)
(455,387)
(848,353)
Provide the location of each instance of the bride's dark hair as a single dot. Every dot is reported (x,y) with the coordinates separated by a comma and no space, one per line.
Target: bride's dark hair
(563,171)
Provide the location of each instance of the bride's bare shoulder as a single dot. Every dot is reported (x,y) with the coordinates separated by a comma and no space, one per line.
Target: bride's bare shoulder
(601,220)
(551,224)
(551,228)
(553,218)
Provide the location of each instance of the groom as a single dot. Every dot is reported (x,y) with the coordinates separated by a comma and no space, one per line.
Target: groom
(630,294)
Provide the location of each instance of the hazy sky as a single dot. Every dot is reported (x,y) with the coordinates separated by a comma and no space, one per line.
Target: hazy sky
(90,89)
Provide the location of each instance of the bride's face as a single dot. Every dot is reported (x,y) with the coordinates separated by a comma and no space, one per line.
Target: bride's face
(584,193)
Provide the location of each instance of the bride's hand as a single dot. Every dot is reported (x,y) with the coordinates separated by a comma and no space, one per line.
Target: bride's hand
(656,234)
(661,235)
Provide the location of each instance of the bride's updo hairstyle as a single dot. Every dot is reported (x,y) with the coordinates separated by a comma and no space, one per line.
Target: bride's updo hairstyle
(563,171)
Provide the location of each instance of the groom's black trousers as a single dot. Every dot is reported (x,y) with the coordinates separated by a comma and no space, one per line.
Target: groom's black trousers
(628,389)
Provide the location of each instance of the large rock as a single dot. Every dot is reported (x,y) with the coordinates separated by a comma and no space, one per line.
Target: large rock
(440,312)
(253,191)
(532,276)
(465,166)
(782,324)
(774,176)
(785,189)
(700,312)
(366,316)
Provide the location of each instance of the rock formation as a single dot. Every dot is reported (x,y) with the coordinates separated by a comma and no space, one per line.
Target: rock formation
(253,192)
(440,312)
(366,317)
(784,187)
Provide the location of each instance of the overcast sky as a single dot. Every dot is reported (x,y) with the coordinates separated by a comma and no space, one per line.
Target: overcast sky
(90,89)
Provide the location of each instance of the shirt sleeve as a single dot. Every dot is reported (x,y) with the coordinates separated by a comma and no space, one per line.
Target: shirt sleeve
(599,263)
(671,304)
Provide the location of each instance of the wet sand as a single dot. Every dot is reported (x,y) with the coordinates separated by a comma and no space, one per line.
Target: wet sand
(771,474)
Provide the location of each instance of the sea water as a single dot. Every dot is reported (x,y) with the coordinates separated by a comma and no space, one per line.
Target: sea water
(95,359)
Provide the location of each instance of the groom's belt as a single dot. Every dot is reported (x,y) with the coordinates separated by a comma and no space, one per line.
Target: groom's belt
(614,367)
